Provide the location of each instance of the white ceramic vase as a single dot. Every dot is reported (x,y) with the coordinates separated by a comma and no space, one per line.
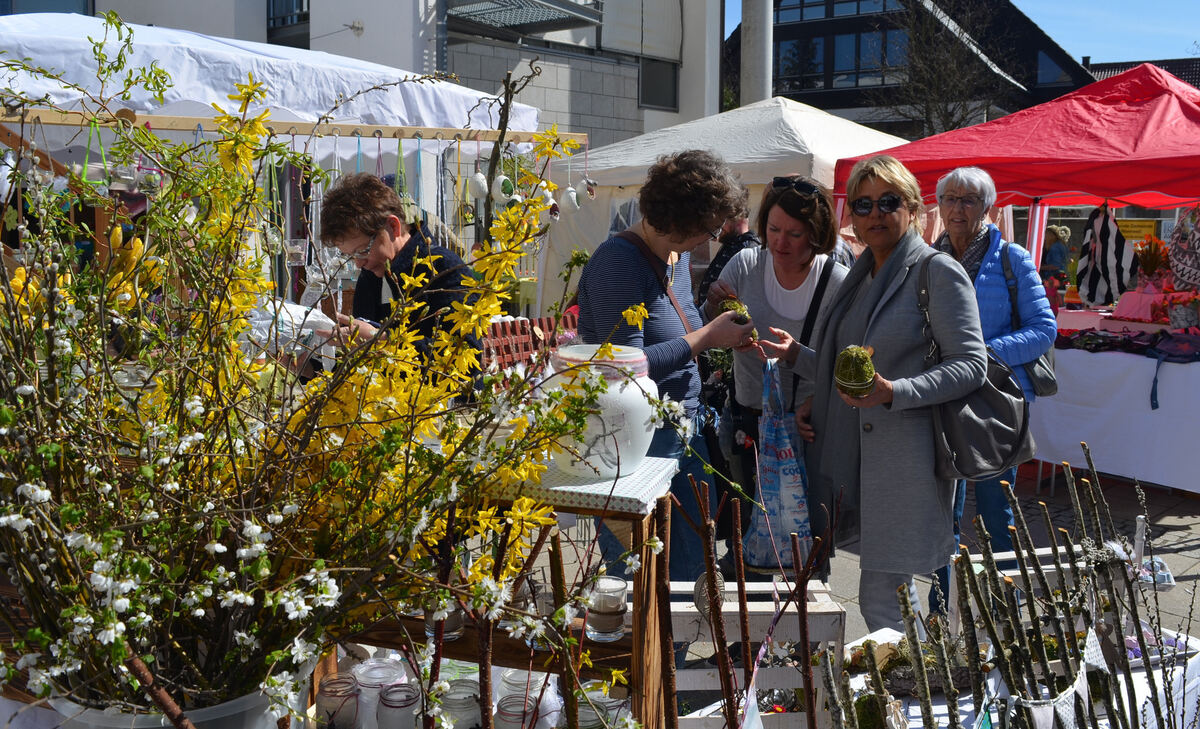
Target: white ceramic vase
(618,436)
(248,712)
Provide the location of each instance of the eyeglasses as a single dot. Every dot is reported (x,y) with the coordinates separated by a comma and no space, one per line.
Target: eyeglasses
(796,183)
(361,252)
(716,234)
(967,201)
(889,202)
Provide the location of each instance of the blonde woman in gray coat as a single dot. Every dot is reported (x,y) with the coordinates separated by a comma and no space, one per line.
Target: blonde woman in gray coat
(876,452)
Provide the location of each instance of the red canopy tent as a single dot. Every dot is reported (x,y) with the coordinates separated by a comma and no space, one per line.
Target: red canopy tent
(1132,139)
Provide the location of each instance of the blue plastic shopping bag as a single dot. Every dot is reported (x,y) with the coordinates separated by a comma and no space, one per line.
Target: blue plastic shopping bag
(782,483)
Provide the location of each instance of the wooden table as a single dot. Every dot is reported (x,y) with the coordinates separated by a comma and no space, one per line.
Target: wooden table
(640,498)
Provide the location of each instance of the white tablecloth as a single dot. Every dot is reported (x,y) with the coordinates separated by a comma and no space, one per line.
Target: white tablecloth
(1104,399)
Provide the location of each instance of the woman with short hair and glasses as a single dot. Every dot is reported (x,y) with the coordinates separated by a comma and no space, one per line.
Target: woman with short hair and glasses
(964,197)
(784,284)
(874,455)
(684,202)
(365,220)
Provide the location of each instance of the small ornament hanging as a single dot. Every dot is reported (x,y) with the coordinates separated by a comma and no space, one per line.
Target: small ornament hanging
(503,189)
(477,184)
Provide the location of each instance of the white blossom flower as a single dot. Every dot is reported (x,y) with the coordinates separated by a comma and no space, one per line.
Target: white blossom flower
(290,509)
(35,493)
(655,544)
(120,604)
(245,640)
(170,487)
(283,691)
(302,651)
(38,682)
(274,519)
(25,390)
(215,547)
(28,660)
(111,632)
(229,598)
(633,563)
(15,521)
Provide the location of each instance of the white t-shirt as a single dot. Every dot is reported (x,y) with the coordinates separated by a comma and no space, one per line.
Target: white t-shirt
(793,303)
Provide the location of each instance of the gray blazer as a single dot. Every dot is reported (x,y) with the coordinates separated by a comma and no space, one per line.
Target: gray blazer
(905,513)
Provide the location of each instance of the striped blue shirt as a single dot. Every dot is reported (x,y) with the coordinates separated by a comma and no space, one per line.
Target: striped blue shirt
(617,277)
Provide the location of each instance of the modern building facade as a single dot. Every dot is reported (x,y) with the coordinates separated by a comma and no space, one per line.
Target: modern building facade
(853,57)
(610,68)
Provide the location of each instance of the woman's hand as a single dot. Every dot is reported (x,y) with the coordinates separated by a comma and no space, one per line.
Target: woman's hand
(881,395)
(804,426)
(350,333)
(718,292)
(785,350)
(721,332)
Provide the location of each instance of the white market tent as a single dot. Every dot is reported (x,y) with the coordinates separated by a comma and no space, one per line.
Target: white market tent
(759,141)
(302,86)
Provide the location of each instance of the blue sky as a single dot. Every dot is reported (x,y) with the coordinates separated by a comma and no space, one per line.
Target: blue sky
(1106,30)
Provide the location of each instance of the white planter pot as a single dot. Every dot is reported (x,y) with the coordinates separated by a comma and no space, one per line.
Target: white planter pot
(618,436)
(247,712)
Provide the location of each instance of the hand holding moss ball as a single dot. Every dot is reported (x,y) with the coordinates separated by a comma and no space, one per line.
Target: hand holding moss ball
(854,372)
(741,314)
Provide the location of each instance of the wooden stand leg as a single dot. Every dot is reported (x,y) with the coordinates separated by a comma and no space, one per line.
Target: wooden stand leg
(648,701)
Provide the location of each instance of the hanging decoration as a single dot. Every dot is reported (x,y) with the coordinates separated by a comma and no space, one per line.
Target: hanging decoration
(400,183)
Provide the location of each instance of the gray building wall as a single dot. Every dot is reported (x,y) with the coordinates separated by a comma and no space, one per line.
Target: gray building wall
(597,96)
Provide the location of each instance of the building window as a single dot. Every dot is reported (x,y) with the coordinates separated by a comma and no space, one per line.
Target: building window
(659,85)
(793,11)
(1050,73)
(863,7)
(799,65)
(789,11)
(282,13)
(14,7)
(872,58)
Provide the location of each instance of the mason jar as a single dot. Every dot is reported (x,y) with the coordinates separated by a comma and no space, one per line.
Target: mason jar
(337,702)
(399,707)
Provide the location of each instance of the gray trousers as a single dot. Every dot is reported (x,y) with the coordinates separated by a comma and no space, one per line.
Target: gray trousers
(878,603)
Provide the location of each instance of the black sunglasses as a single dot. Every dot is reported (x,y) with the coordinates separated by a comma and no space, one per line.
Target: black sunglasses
(796,183)
(889,202)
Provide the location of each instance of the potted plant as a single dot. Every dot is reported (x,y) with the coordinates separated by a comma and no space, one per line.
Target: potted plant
(186,523)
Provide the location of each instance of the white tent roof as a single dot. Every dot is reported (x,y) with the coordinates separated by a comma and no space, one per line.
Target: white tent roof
(302,85)
(759,141)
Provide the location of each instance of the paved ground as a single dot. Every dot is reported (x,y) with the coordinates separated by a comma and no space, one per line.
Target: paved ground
(1174,535)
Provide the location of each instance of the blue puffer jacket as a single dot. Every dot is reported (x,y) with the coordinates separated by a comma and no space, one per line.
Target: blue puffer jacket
(1038,325)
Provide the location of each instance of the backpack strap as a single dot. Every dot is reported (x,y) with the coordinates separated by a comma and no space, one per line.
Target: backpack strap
(1011,280)
(660,270)
(810,319)
(931,356)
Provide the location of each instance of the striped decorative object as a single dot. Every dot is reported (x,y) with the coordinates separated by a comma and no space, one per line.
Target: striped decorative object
(1107,264)
(1035,236)
(1184,249)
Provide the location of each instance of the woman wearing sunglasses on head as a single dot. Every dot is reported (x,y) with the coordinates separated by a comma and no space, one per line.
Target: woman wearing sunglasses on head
(684,202)
(964,197)
(784,284)
(876,452)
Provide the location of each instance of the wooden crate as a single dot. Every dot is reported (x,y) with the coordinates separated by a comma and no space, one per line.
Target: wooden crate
(826,627)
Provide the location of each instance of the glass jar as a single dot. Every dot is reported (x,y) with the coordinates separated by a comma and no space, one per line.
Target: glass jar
(461,704)
(611,706)
(399,706)
(373,674)
(605,620)
(517,682)
(588,718)
(337,702)
(454,624)
(515,711)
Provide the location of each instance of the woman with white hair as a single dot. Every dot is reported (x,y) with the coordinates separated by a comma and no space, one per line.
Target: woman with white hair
(965,196)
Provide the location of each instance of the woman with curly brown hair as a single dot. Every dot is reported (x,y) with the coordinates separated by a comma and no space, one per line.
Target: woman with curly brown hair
(685,201)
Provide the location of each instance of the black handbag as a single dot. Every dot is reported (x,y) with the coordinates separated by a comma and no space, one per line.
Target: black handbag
(985,432)
(1040,370)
